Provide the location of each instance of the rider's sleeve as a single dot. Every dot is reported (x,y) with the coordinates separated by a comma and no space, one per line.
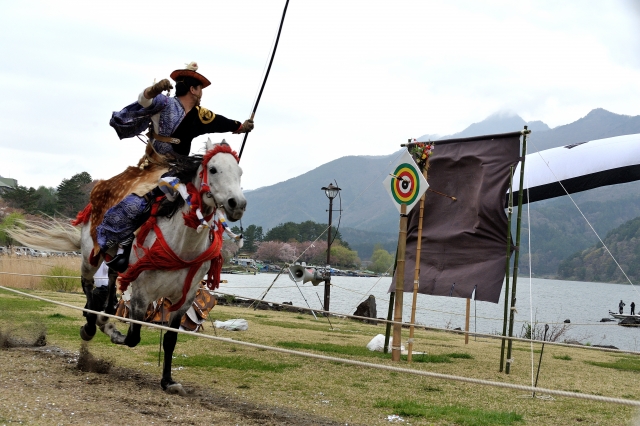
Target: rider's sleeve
(144,102)
(208,122)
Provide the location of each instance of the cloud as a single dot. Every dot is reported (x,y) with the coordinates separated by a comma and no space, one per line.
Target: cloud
(349,78)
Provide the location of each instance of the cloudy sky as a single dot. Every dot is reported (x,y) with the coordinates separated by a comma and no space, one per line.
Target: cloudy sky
(349,78)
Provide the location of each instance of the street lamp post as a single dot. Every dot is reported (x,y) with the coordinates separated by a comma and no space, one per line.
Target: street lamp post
(331,192)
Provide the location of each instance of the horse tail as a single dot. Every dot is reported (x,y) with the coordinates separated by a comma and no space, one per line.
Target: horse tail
(53,235)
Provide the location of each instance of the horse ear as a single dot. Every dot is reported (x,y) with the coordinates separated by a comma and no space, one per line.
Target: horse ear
(209,144)
(224,142)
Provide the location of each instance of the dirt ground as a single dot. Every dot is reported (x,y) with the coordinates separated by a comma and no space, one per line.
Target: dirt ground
(46,385)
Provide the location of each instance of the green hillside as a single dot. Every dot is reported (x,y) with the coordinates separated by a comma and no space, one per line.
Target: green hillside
(558,229)
(595,263)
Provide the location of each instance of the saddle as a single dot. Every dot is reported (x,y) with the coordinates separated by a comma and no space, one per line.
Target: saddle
(158,311)
(134,180)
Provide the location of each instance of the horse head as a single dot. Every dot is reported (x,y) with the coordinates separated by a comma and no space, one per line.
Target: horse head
(221,174)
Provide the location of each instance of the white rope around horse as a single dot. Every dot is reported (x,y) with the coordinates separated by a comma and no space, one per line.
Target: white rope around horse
(599,398)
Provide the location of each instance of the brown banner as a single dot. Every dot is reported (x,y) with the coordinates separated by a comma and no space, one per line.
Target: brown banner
(464,242)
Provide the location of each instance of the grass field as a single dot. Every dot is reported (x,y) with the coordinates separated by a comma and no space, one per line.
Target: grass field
(354,394)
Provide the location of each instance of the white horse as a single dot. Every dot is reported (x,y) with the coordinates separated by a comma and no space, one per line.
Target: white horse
(186,265)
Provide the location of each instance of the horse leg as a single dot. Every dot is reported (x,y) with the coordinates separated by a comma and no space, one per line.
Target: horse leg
(169,344)
(112,300)
(88,330)
(132,337)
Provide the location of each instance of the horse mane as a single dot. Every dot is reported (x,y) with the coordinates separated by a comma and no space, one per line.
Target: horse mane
(185,168)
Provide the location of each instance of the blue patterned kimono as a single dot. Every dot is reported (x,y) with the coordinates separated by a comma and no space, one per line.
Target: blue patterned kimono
(135,119)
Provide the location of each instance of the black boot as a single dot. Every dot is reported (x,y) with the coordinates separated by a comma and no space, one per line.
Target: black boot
(120,262)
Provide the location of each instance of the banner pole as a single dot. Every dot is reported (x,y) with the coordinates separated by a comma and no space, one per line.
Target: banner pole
(517,255)
(397,315)
(416,280)
(507,270)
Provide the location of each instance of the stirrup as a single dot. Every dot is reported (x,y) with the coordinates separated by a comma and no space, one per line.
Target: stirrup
(120,262)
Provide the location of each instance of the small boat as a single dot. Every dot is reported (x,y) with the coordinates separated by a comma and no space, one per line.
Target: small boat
(622,316)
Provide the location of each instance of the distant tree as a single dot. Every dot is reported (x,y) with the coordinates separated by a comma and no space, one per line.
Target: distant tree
(252,235)
(269,251)
(342,256)
(229,249)
(23,198)
(283,232)
(73,193)
(312,252)
(305,231)
(381,260)
(9,221)
(47,201)
(288,252)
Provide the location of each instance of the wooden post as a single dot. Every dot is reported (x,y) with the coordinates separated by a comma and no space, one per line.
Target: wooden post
(397,314)
(466,323)
(416,281)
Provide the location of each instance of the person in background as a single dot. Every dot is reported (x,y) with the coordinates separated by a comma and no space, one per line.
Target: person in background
(633,308)
(621,305)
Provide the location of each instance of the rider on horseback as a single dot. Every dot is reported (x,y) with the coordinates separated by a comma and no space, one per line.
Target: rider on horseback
(172,123)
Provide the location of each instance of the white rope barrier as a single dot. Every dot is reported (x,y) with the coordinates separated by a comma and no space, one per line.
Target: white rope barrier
(620,401)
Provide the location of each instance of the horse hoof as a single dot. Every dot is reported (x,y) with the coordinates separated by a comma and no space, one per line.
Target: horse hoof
(131,342)
(176,389)
(118,339)
(85,335)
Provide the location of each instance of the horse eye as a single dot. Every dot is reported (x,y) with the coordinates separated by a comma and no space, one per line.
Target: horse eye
(213,170)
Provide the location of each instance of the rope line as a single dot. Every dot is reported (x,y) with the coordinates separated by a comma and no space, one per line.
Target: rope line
(599,398)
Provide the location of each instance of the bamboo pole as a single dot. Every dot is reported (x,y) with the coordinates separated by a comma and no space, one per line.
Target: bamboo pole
(466,322)
(416,281)
(507,270)
(416,273)
(397,315)
(517,255)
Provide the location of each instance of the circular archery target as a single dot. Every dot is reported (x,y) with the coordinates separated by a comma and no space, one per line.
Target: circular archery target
(406,187)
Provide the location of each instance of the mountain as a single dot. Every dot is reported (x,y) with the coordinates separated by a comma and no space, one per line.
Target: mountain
(595,263)
(500,122)
(366,208)
(598,124)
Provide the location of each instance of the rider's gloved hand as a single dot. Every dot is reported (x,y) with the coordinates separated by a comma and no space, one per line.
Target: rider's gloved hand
(153,91)
(245,127)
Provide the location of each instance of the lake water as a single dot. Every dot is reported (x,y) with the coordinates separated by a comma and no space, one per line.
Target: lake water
(551,302)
